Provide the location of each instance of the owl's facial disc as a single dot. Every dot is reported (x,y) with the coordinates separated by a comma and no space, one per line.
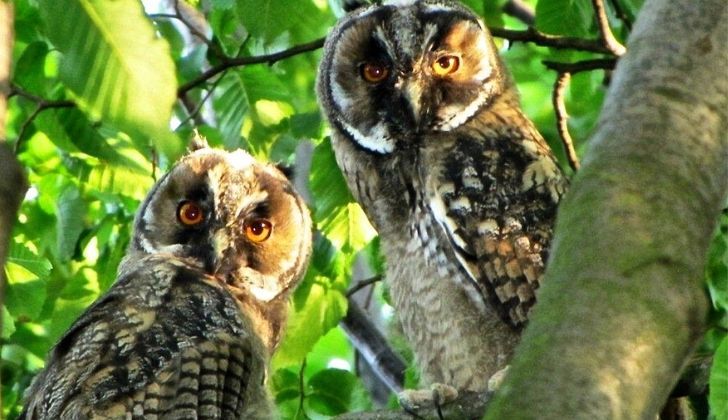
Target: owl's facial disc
(236,219)
(398,71)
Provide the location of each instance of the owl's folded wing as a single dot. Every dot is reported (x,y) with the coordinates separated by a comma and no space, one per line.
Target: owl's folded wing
(498,225)
(177,350)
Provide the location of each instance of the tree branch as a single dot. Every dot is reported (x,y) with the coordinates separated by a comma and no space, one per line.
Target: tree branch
(375,349)
(362,284)
(555,41)
(521,11)
(12,177)
(41,105)
(562,81)
(623,304)
(468,405)
(581,66)
(610,42)
(242,61)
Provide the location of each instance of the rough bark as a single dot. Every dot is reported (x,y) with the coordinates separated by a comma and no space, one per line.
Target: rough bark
(12,177)
(624,303)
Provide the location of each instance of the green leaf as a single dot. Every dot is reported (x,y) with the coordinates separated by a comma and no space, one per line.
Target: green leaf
(21,255)
(300,21)
(718,383)
(231,107)
(717,267)
(332,389)
(336,213)
(114,63)
(8,323)
(324,307)
(29,68)
(25,292)
(564,17)
(70,211)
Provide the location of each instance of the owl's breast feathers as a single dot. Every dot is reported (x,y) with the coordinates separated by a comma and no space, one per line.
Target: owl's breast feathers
(163,342)
(494,190)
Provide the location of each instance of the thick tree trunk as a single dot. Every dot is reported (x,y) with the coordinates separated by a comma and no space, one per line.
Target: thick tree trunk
(624,303)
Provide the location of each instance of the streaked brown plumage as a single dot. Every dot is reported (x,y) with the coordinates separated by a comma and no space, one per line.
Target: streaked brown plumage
(428,131)
(198,307)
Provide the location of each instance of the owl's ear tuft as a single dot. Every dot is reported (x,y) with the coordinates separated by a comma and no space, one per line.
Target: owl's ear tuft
(288,170)
(197,142)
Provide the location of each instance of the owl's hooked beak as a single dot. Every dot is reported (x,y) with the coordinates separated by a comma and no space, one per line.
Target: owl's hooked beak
(412,91)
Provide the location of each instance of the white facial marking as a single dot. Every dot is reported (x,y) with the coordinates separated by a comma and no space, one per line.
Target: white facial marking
(459,117)
(377,140)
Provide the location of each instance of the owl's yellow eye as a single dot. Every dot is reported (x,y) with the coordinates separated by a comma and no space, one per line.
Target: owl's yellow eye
(447,64)
(190,213)
(258,230)
(374,72)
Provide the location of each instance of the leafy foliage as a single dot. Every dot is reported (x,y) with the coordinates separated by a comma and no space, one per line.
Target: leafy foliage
(90,162)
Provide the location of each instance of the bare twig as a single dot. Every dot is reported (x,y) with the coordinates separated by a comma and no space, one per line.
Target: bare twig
(580,66)
(621,15)
(42,104)
(302,390)
(562,80)
(242,61)
(182,14)
(375,349)
(607,37)
(362,284)
(521,11)
(554,41)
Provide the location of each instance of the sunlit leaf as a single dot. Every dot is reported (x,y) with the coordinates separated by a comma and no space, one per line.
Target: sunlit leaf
(564,17)
(113,62)
(23,256)
(336,213)
(231,105)
(323,309)
(718,383)
(270,19)
(70,211)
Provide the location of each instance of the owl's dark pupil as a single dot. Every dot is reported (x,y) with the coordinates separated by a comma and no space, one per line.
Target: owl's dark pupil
(192,212)
(445,62)
(257,227)
(374,72)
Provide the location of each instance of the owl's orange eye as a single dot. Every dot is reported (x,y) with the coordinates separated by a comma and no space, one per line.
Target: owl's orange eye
(374,72)
(447,64)
(258,230)
(189,213)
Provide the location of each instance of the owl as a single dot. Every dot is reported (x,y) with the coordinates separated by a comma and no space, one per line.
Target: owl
(198,306)
(427,129)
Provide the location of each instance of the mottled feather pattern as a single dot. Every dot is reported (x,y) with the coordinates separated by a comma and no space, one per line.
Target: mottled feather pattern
(459,184)
(131,353)
(499,227)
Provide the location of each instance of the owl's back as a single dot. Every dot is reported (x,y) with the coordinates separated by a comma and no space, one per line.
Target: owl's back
(164,342)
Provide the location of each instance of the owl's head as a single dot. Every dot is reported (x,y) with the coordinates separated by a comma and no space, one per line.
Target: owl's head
(235,218)
(395,71)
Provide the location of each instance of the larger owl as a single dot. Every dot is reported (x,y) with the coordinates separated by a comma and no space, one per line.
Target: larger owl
(429,134)
(199,304)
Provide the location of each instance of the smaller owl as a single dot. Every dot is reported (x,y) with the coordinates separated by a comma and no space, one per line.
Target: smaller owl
(199,304)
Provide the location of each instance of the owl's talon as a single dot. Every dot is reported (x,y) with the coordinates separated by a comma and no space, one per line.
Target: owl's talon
(496,380)
(415,401)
